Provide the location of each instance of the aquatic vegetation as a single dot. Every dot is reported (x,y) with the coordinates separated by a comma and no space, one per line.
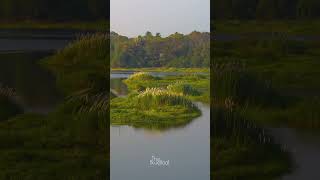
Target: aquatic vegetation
(241,149)
(71,141)
(80,61)
(156,106)
(185,89)
(233,80)
(61,144)
(139,81)
(140,76)
(127,111)
(156,97)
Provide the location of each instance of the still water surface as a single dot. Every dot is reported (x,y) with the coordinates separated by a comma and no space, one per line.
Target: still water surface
(34,85)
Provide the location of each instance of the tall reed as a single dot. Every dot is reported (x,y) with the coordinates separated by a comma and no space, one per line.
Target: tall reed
(185,89)
(157,97)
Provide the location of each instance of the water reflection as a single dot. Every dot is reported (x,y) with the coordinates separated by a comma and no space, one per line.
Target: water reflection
(34,85)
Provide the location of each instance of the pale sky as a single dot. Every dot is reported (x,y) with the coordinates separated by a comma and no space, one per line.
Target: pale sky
(135,17)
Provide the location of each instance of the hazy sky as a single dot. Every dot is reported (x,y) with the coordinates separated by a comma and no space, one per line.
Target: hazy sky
(135,17)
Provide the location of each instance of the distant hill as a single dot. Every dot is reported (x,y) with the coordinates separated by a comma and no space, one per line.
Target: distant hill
(176,50)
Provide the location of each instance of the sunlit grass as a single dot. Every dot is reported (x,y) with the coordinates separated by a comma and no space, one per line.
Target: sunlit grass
(156,97)
(183,88)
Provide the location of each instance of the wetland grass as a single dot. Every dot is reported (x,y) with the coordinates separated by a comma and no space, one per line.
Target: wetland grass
(157,97)
(183,88)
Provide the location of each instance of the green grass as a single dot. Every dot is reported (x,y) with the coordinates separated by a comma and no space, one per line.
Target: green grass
(184,89)
(81,63)
(151,105)
(160,103)
(290,69)
(140,76)
(72,141)
(196,87)
(125,111)
(242,150)
(151,98)
(61,145)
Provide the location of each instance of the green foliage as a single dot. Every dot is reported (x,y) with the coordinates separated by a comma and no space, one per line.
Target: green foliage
(177,50)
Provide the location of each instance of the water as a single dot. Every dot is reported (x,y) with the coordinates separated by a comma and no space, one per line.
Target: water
(187,149)
(304,148)
(20,54)
(34,85)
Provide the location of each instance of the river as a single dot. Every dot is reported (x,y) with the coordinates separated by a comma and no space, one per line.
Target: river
(187,148)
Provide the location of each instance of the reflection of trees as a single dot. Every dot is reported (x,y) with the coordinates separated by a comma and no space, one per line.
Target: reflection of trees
(34,85)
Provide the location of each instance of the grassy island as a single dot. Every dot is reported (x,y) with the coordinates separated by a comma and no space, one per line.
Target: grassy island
(160,102)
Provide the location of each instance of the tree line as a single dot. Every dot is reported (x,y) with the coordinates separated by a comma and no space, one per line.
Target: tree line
(11,10)
(266,9)
(176,50)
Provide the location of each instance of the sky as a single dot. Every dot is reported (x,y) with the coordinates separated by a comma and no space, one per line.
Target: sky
(135,17)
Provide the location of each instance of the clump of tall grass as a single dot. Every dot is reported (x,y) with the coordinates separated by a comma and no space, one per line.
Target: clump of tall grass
(157,97)
(87,47)
(140,76)
(185,89)
(85,57)
(233,80)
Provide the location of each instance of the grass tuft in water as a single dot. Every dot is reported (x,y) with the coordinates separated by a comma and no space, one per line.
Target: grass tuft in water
(156,97)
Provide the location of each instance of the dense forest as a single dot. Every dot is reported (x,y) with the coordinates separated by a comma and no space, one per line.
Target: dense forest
(266,9)
(176,50)
(13,10)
